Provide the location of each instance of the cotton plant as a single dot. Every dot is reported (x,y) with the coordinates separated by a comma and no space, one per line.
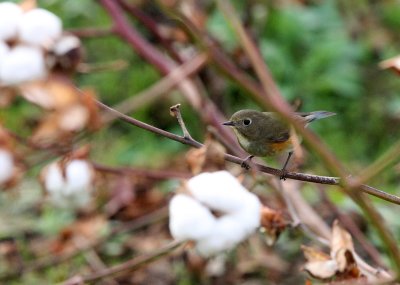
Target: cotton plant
(36,60)
(7,166)
(70,183)
(28,41)
(192,218)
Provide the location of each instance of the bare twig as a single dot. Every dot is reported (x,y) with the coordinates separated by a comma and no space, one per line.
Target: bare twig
(273,99)
(93,259)
(131,264)
(388,158)
(277,172)
(153,27)
(160,88)
(145,49)
(176,112)
(206,108)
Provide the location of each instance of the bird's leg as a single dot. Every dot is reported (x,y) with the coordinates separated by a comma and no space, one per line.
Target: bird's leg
(283,170)
(245,162)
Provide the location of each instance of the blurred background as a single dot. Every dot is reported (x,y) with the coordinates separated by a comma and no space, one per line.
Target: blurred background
(324,55)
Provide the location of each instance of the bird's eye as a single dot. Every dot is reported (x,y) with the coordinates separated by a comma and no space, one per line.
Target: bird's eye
(246,122)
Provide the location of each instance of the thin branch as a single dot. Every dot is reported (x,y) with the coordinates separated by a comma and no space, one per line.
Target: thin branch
(273,99)
(388,158)
(176,112)
(262,168)
(148,127)
(130,265)
(162,87)
(206,108)
(153,26)
(93,259)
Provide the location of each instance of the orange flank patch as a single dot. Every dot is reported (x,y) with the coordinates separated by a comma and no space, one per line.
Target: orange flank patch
(281,146)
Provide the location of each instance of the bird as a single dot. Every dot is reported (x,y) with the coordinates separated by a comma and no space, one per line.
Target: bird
(266,134)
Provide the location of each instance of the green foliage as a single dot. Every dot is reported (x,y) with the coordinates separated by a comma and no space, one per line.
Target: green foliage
(319,54)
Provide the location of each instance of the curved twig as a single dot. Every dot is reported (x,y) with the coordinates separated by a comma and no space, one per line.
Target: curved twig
(262,168)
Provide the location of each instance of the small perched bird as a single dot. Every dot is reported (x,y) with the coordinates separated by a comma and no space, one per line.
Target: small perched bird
(265,134)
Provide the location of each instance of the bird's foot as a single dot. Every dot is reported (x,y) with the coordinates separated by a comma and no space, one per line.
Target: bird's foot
(246,162)
(283,174)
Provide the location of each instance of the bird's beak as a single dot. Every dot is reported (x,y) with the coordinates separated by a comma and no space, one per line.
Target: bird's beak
(229,123)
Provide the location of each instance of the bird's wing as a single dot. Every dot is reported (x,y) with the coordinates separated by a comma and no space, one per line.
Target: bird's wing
(278,130)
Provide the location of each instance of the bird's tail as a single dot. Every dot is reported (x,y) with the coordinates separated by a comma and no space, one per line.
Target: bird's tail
(313,116)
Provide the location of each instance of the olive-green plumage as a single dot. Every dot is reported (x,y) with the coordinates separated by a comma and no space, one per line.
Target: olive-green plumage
(264,133)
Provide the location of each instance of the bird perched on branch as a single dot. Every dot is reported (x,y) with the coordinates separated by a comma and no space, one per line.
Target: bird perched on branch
(266,134)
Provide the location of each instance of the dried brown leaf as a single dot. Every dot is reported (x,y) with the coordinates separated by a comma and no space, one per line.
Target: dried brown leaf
(272,223)
(74,118)
(312,254)
(48,132)
(323,270)
(55,93)
(341,246)
(341,263)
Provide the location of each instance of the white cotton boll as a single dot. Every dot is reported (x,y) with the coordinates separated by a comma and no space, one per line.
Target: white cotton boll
(79,176)
(4,50)
(65,44)
(250,214)
(226,235)
(6,166)
(53,179)
(22,64)
(39,27)
(70,187)
(219,190)
(10,15)
(188,219)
